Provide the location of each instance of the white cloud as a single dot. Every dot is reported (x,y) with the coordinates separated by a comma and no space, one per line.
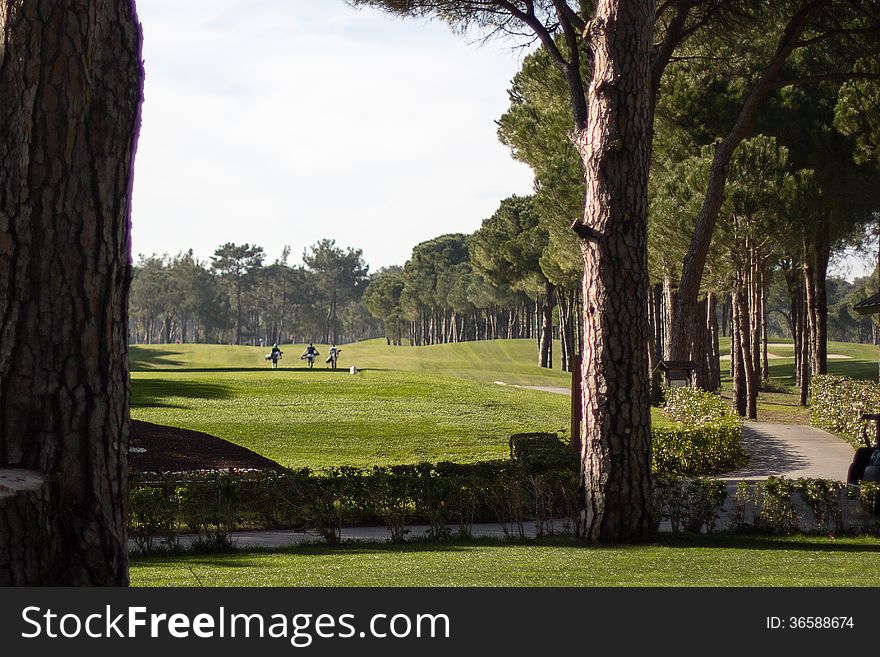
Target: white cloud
(285,124)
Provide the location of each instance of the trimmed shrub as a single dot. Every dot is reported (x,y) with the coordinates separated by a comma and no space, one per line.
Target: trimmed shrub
(708,439)
(695,406)
(837,405)
(709,448)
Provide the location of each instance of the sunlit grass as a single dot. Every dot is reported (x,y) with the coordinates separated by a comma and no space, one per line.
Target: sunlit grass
(325,418)
(694,561)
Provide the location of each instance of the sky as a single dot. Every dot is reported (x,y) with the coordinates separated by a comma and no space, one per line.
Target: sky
(282,122)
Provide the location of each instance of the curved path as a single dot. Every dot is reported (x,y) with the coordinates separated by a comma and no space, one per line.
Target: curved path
(781,450)
(792,451)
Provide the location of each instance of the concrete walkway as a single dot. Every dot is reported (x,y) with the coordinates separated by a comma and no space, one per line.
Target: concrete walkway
(791,451)
(780,450)
(279,538)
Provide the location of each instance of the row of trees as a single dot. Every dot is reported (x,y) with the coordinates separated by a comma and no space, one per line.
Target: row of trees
(237,299)
(487,285)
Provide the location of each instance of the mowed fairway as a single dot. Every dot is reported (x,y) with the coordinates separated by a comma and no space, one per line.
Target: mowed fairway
(509,361)
(319,417)
(408,404)
(692,561)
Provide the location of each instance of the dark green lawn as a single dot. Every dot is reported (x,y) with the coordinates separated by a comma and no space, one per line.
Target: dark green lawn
(691,561)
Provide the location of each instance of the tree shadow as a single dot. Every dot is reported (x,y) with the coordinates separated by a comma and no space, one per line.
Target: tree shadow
(767,458)
(153,393)
(455,546)
(767,542)
(151,359)
(316,370)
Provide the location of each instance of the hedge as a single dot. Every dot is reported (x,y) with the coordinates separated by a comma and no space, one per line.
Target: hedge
(707,440)
(450,501)
(837,404)
(539,484)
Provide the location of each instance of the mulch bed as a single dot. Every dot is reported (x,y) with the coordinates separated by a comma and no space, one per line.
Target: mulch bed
(170,449)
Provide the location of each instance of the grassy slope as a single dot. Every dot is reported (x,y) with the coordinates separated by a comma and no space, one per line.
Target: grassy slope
(510,361)
(783,407)
(409,404)
(861,364)
(696,561)
(324,418)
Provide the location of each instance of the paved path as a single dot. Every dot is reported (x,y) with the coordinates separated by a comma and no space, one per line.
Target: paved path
(781,450)
(284,538)
(792,451)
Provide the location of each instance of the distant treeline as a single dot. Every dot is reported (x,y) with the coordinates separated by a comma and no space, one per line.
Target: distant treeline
(488,285)
(454,288)
(238,299)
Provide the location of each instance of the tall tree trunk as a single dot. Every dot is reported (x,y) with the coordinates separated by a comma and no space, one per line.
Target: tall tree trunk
(737,372)
(765,356)
(699,355)
(237,313)
(659,328)
(670,302)
(811,309)
(545,343)
(822,255)
(70,80)
(714,347)
(615,145)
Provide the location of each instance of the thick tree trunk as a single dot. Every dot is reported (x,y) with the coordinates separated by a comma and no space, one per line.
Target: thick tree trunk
(616,150)
(70,80)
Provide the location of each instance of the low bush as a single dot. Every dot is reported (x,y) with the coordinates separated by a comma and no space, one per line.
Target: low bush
(539,485)
(698,450)
(837,404)
(707,440)
(451,497)
(695,406)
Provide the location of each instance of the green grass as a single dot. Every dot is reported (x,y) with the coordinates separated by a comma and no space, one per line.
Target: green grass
(408,404)
(424,404)
(860,364)
(510,361)
(784,407)
(693,561)
(323,418)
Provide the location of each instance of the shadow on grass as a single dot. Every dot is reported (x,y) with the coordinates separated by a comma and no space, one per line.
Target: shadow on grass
(682,542)
(153,393)
(316,370)
(150,359)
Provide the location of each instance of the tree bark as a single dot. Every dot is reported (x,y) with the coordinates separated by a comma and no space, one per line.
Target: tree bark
(714,347)
(545,344)
(615,145)
(737,373)
(670,301)
(71,84)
